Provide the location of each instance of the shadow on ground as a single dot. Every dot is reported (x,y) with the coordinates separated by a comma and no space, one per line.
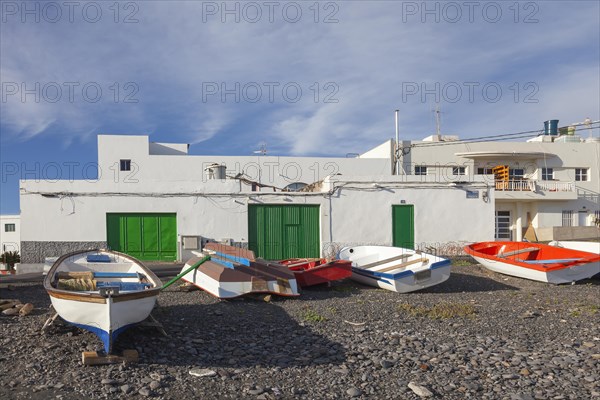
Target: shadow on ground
(231,334)
(459,283)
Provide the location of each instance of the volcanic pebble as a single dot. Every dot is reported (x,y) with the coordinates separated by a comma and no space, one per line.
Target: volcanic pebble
(479,335)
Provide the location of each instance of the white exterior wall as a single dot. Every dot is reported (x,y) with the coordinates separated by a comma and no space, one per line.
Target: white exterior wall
(270,170)
(351,215)
(10,241)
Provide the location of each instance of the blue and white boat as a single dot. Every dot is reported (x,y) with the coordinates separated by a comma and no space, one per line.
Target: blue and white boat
(395,268)
(102,291)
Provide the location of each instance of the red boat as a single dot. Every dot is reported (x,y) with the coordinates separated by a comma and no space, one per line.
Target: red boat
(314,271)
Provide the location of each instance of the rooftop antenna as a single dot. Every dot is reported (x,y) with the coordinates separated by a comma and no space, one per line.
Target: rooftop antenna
(438,128)
(396,152)
(263,149)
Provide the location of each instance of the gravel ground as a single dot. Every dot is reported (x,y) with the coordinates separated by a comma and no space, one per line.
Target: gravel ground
(479,335)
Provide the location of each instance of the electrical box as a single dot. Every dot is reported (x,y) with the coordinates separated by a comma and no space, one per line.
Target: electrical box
(190,242)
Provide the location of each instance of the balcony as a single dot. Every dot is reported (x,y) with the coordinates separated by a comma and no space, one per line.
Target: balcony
(527,189)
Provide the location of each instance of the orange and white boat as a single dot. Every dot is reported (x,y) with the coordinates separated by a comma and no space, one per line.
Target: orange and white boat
(538,262)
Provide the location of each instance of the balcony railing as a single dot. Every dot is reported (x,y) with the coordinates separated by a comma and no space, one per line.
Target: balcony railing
(553,186)
(534,186)
(516,185)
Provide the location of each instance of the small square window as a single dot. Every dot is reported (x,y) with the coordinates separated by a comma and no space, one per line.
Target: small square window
(547,174)
(458,171)
(581,174)
(10,228)
(125,165)
(516,173)
(420,170)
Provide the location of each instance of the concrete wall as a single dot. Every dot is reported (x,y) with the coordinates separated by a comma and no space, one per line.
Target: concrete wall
(270,170)
(355,212)
(10,241)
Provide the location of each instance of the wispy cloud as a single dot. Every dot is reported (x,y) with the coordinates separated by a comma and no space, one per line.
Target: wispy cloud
(368,57)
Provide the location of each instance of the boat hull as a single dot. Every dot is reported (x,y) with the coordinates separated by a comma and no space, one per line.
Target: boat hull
(535,261)
(106,320)
(238,280)
(370,267)
(105,312)
(590,247)
(405,284)
(319,271)
(565,275)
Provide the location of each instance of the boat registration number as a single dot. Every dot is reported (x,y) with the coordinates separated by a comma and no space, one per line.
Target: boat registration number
(423,275)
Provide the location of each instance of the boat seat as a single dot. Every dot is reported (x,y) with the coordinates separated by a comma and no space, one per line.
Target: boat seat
(515,252)
(387,260)
(404,265)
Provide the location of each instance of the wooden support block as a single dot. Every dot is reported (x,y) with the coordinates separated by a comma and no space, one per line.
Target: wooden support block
(8,305)
(93,358)
(188,287)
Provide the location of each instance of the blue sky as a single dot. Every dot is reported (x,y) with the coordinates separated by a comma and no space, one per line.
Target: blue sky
(162,66)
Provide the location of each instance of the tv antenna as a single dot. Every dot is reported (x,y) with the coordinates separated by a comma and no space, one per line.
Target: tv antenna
(438,118)
(263,149)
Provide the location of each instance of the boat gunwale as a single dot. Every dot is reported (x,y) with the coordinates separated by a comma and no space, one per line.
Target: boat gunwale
(95,296)
(342,264)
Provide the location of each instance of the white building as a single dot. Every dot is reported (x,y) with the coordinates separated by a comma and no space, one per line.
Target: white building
(155,201)
(10,233)
(550,182)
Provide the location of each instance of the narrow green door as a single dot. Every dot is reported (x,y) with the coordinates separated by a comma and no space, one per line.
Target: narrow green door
(278,231)
(403,226)
(146,236)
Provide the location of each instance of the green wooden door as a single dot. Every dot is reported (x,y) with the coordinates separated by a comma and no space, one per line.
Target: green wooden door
(145,236)
(403,226)
(277,232)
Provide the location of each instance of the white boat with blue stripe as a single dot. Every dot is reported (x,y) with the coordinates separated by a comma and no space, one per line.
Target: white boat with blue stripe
(102,291)
(394,268)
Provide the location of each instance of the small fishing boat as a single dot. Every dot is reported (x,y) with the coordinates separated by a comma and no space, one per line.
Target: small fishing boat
(315,271)
(233,272)
(102,291)
(395,268)
(590,247)
(538,262)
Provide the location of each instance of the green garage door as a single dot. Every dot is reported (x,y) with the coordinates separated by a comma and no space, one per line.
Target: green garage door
(403,226)
(278,231)
(151,237)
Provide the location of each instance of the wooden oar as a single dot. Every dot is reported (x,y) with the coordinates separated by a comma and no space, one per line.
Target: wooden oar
(552,261)
(193,267)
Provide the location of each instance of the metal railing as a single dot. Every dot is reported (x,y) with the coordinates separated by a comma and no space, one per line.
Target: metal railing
(552,186)
(534,186)
(516,185)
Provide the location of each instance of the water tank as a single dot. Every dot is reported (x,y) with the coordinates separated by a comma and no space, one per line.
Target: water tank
(215,171)
(551,127)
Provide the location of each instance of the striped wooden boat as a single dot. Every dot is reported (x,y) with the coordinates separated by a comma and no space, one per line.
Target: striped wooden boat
(102,291)
(395,268)
(535,261)
(234,272)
